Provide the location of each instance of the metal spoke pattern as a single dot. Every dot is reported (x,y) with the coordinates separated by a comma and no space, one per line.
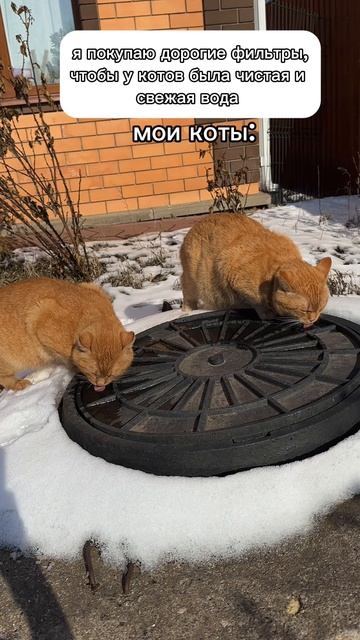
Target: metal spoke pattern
(214,371)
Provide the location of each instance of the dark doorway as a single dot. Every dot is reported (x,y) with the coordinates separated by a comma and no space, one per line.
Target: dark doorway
(306,154)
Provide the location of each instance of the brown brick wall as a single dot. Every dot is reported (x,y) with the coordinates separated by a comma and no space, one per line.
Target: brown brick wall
(87,13)
(229,14)
(240,156)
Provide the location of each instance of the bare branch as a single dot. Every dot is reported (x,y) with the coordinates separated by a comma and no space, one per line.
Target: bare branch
(44,214)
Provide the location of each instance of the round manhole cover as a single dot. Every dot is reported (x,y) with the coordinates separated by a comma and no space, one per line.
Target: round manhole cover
(219,392)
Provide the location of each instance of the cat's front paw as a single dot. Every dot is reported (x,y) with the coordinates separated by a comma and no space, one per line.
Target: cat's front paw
(190,305)
(19,385)
(185,308)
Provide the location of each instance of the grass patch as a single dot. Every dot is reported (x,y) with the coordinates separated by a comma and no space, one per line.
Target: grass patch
(129,276)
(342,284)
(340,250)
(15,269)
(157,258)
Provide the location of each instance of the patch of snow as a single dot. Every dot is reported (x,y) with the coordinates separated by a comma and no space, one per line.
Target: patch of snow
(54,495)
(347,307)
(27,411)
(152,271)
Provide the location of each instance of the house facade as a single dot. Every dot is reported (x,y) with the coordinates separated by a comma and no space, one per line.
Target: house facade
(120,178)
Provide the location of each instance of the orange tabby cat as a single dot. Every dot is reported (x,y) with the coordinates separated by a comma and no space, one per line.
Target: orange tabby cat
(230,260)
(45,321)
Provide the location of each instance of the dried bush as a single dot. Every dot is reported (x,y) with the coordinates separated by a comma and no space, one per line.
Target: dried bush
(352,187)
(228,189)
(41,210)
(127,276)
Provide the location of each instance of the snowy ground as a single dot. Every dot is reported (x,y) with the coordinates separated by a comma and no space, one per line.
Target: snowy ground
(54,496)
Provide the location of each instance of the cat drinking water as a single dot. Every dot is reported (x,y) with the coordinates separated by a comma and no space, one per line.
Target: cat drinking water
(232,261)
(45,321)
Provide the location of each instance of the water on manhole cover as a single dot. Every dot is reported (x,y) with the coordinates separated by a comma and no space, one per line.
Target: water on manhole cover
(220,392)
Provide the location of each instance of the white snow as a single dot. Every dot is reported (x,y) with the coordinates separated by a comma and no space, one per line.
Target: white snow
(54,495)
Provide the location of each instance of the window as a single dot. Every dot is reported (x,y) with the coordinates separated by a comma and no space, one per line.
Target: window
(52,20)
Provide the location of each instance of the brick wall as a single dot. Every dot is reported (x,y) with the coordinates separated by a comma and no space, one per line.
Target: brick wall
(151,14)
(88,14)
(229,14)
(234,15)
(118,175)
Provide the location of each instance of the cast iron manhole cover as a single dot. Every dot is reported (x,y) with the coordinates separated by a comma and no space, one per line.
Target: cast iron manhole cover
(218,392)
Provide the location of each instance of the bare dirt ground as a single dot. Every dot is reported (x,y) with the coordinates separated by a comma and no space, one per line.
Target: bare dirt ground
(306,588)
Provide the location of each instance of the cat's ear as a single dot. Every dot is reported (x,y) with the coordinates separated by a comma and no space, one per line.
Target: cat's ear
(83,343)
(127,338)
(324,266)
(282,282)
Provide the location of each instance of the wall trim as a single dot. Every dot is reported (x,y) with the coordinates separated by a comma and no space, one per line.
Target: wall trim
(259,199)
(264,140)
